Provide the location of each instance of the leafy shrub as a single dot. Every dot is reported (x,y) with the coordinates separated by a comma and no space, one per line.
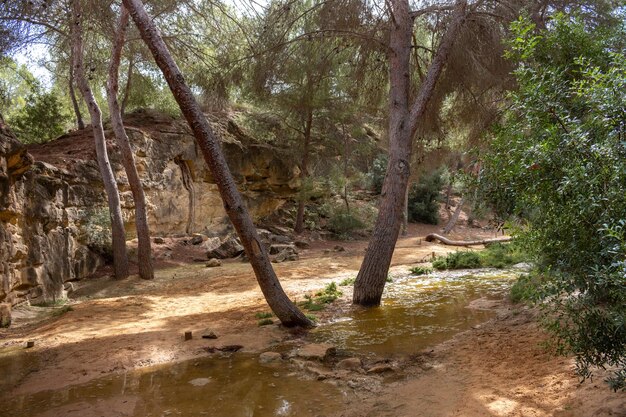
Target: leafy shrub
(502,255)
(41,119)
(347,282)
(263,315)
(98,233)
(558,161)
(421,270)
(424,198)
(342,222)
(265,322)
(458,260)
(318,302)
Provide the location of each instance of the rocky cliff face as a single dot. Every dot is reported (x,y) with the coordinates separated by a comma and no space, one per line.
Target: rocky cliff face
(52,200)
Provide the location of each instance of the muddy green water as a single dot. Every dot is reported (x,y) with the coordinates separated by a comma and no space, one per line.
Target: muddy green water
(217,387)
(417,312)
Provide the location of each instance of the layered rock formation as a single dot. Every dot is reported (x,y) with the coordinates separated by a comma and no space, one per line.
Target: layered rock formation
(53,209)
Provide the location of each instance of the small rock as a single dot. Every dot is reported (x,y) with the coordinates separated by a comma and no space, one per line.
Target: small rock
(280,239)
(351,364)
(301,244)
(158,240)
(270,357)
(209,335)
(278,248)
(380,369)
(5,315)
(196,240)
(315,351)
(320,373)
(212,263)
(339,248)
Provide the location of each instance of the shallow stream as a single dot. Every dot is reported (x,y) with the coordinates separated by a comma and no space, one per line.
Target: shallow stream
(417,312)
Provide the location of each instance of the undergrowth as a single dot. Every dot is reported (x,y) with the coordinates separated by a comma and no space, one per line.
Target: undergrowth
(318,302)
(493,256)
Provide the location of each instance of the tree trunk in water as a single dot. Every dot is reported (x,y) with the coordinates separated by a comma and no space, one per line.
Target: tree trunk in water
(209,144)
(403,123)
(304,172)
(144,252)
(454,218)
(120,257)
(79,117)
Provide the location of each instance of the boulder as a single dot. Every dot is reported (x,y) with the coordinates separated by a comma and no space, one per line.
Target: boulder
(350,364)
(270,357)
(380,368)
(285,255)
(230,247)
(196,240)
(278,248)
(315,351)
(213,262)
(301,244)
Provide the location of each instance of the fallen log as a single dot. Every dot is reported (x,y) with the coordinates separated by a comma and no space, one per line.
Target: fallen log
(434,236)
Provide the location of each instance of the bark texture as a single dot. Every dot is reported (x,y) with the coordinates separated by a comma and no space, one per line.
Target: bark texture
(209,144)
(304,171)
(404,120)
(144,250)
(120,256)
(434,236)
(455,217)
(80,124)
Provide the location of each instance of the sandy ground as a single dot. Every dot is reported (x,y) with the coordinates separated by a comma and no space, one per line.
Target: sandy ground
(498,369)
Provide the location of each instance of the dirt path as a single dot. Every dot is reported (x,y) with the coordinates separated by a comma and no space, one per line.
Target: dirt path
(498,370)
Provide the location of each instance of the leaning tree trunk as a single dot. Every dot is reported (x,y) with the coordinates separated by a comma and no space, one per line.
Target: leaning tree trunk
(403,123)
(304,172)
(144,251)
(209,144)
(79,117)
(454,218)
(120,256)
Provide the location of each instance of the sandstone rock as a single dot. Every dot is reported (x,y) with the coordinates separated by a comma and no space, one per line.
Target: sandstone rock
(351,364)
(229,248)
(211,243)
(52,197)
(196,240)
(270,357)
(209,335)
(5,315)
(212,263)
(285,240)
(380,369)
(315,351)
(301,244)
(278,248)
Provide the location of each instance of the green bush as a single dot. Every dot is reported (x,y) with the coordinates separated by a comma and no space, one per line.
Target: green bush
(424,198)
(342,222)
(502,255)
(41,119)
(458,260)
(98,232)
(558,161)
(525,289)
(421,270)
(318,302)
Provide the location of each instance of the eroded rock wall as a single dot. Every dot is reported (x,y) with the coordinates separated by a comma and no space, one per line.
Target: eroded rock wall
(53,201)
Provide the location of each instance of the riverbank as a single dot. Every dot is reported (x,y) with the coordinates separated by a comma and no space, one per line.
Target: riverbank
(496,369)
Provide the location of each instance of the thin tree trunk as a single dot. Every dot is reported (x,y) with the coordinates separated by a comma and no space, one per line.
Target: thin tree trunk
(79,117)
(120,256)
(454,218)
(209,144)
(403,123)
(405,211)
(144,252)
(304,172)
(129,77)
(346,164)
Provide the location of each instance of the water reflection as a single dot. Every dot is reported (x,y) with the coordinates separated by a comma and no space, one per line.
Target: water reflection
(417,312)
